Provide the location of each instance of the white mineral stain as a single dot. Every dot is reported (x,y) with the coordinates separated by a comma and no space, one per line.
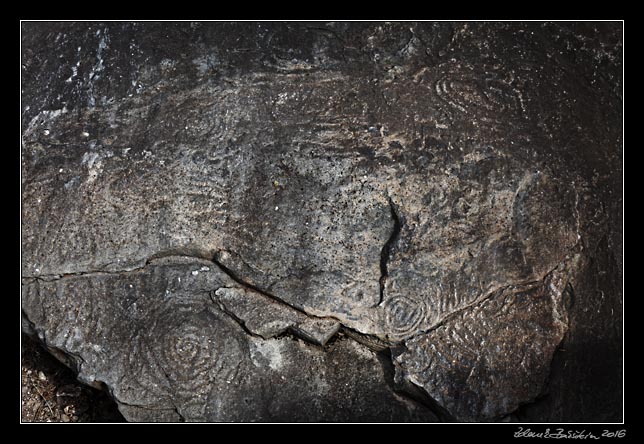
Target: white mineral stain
(74,73)
(94,165)
(89,159)
(203,64)
(168,63)
(94,73)
(282,98)
(267,350)
(44,118)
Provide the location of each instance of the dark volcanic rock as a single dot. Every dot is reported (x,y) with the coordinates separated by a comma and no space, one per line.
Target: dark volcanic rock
(327,221)
(166,352)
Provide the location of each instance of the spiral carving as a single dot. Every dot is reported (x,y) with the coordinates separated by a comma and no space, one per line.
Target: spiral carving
(187,350)
(403,316)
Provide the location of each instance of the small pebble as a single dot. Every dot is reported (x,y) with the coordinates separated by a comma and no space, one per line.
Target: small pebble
(64,417)
(277,208)
(42,376)
(85,134)
(46,132)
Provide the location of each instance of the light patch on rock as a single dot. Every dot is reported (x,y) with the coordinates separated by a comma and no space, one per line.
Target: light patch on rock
(77,335)
(167,63)
(94,165)
(71,183)
(320,383)
(98,68)
(282,98)
(89,159)
(205,63)
(74,73)
(267,352)
(44,118)
(361,350)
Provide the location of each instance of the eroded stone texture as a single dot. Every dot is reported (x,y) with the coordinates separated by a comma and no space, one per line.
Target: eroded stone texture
(438,188)
(166,352)
(506,341)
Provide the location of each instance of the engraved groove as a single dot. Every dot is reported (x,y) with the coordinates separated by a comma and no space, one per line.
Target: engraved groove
(188,345)
(470,93)
(403,316)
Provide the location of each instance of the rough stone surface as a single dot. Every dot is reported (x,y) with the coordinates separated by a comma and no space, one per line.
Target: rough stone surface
(327,221)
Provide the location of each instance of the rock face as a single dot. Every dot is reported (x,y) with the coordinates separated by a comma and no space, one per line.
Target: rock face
(327,221)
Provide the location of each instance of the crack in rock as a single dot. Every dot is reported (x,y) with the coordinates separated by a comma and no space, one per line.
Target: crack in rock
(386,252)
(311,328)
